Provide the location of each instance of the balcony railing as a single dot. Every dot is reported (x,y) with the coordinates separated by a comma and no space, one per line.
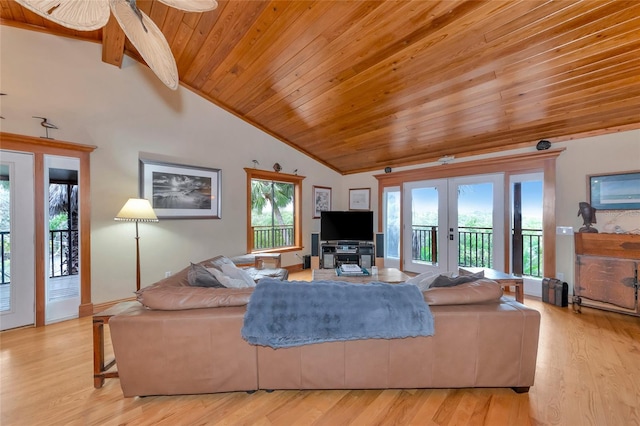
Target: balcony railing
(5,252)
(532,253)
(266,237)
(63,254)
(475,247)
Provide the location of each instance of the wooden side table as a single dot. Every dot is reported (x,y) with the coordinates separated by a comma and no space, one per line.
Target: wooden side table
(262,258)
(100,369)
(502,278)
(257,260)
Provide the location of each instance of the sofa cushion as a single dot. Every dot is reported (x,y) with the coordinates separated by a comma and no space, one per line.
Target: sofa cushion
(480,291)
(172,298)
(233,278)
(238,274)
(425,279)
(199,276)
(448,281)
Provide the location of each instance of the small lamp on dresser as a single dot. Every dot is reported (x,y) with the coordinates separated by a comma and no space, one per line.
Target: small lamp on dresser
(137,210)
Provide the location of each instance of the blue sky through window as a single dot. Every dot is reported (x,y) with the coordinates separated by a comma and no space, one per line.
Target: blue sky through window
(478,198)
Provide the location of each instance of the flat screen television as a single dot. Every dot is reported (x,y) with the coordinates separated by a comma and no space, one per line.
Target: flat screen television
(346,226)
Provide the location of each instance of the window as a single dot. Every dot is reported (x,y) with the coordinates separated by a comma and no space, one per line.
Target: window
(273,211)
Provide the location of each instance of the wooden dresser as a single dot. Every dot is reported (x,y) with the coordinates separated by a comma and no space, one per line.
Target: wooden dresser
(606,274)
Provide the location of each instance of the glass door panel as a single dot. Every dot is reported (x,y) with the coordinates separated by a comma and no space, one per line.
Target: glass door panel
(453,222)
(62,219)
(476,221)
(391,226)
(425,216)
(17,284)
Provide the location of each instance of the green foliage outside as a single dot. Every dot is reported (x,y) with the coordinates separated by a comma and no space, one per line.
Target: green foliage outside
(272,213)
(4,206)
(264,218)
(59,222)
(5,226)
(476,250)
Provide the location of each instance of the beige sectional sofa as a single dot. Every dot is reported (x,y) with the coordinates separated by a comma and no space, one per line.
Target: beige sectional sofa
(190,342)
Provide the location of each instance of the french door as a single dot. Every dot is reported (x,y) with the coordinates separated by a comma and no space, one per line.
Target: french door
(17,284)
(453,222)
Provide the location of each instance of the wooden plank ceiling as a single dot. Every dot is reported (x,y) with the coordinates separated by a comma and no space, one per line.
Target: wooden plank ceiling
(360,85)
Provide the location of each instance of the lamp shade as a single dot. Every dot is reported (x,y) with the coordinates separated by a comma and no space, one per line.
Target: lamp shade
(137,210)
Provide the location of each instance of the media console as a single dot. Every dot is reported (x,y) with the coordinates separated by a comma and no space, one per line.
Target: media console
(334,254)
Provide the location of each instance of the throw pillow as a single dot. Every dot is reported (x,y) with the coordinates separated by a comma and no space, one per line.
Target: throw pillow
(230,282)
(199,276)
(239,274)
(425,280)
(444,281)
(218,261)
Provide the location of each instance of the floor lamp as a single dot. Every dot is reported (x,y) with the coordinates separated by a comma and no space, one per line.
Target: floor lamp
(137,210)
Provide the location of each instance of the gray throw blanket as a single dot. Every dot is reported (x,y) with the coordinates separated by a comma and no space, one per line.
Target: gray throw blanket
(292,313)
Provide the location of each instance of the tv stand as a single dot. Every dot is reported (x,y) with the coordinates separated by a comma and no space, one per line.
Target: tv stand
(334,254)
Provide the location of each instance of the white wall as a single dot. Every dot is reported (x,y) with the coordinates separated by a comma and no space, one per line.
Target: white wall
(128,111)
(125,112)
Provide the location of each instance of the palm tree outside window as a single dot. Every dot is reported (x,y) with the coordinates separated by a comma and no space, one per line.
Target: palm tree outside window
(272,214)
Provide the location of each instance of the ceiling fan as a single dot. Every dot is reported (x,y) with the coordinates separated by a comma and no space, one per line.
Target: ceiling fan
(144,34)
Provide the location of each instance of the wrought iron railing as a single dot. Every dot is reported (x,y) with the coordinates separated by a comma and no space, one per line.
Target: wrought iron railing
(5,252)
(475,247)
(63,252)
(532,253)
(266,237)
(424,243)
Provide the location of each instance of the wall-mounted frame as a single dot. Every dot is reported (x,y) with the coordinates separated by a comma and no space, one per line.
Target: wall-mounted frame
(360,199)
(321,200)
(616,191)
(178,191)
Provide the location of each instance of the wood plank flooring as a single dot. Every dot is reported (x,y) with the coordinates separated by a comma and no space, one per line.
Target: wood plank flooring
(588,374)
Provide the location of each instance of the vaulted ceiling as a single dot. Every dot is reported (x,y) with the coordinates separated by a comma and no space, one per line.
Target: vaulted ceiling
(360,85)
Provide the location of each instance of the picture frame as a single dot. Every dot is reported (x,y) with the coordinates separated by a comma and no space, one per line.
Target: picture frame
(179,191)
(321,200)
(360,199)
(615,191)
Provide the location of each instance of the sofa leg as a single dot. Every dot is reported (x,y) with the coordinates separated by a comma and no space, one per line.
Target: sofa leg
(250,392)
(522,389)
(268,390)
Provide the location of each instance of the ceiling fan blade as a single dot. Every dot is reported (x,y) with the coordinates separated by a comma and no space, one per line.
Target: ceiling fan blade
(192,5)
(81,15)
(151,44)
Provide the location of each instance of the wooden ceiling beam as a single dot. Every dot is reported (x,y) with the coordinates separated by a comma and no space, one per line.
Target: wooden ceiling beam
(113,39)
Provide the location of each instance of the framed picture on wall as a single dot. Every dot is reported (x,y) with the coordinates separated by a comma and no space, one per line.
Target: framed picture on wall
(321,200)
(360,199)
(178,191)
(618,191)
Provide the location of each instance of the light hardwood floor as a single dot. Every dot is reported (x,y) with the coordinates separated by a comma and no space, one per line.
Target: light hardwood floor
(588,374)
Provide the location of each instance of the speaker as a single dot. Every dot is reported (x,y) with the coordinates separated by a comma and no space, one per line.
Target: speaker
(542,145)
(315,244)
(379,245)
